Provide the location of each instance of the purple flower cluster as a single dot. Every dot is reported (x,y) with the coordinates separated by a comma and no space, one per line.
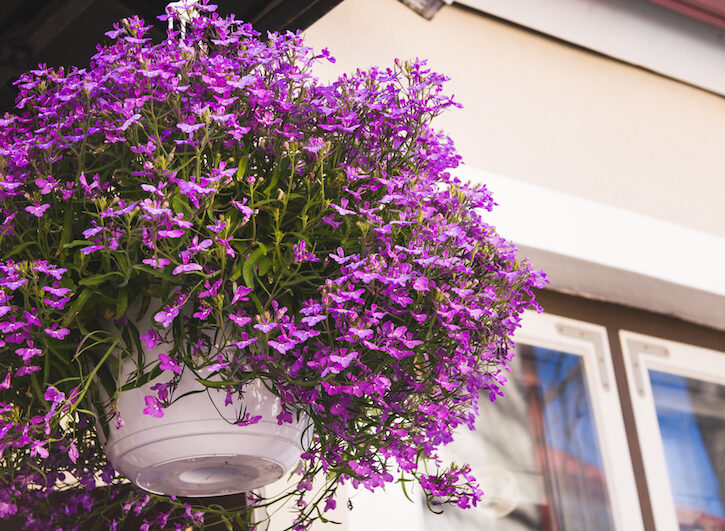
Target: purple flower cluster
(309,234)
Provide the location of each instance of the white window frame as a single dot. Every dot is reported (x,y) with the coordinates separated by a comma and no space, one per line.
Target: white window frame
(642,353)
(391,511)
(590,342)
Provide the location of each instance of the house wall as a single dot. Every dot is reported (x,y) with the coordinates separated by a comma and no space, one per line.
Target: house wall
(543,112)
(608,175)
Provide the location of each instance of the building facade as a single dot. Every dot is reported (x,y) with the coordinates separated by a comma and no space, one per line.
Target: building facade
(599,126)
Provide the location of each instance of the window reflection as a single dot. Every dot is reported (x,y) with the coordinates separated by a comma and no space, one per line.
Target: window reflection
(691,416)
(536,453)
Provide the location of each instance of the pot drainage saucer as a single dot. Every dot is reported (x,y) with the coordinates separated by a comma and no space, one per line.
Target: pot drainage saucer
(216,475)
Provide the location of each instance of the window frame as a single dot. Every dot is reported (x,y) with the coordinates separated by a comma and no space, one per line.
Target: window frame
(591,343)
(572,336)
(591,314)
(641,353)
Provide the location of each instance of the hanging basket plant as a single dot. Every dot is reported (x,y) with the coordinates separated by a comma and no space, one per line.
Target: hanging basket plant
(202,221)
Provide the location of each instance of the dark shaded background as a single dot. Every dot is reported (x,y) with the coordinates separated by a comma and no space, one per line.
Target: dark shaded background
(65,32)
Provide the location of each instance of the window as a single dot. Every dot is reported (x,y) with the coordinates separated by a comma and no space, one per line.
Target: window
(552,453)
(678,397)
(611,419)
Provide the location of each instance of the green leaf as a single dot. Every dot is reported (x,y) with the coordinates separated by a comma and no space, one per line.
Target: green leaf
(216,384)
(154,272)
(273,181)
(102,419)
(77,306)
(76,243)
(264,265)
(299,280)
(294,196)
(108,381)
(143,379)
(248,268)
(242,168)
(264,202)
(257,302)
(237,271)
(17,249)
(402,482)
(180,205)
(122,303)
(99,279)
(59,364)
(134,334)
(123,265)
(67,227)
(36,387)
(196,392)
(298,235)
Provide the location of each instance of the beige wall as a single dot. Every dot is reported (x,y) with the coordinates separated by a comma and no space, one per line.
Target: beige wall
(549,114)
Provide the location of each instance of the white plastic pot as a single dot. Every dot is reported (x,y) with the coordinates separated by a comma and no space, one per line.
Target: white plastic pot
(193,451)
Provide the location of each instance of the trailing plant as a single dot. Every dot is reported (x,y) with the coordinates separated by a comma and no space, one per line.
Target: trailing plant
(310,235)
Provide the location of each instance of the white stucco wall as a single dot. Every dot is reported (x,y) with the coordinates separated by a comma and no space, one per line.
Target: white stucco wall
(542,112)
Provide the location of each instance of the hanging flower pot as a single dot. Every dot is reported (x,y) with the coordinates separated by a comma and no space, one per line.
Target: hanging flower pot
(313,260)
(196,452)
(198,446)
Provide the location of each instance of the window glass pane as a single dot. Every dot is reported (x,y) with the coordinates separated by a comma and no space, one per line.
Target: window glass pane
(691,417)
(536,453)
